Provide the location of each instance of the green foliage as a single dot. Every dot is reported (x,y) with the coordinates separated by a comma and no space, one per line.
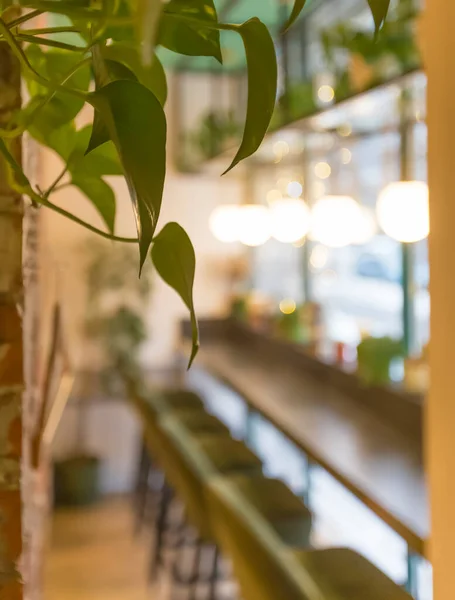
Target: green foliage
(374,356)
(296,10)
(190,35)
(215,131)
(136,123)
(379,9)
(174,260)
(262,85)
(113,42)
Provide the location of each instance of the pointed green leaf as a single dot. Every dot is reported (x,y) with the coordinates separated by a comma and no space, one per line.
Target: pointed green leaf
(296,10)
(174,259)
(262,85)
(136,124)
(101,196)
(99,135)
(190,37)
(106,70)
(379,8)
(104,160)
(152,77)
(16,169)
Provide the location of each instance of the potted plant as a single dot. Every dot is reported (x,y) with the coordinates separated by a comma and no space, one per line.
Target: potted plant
(374,358)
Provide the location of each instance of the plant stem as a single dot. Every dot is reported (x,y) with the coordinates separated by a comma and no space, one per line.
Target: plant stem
(20,55)
(62,186)
(44,30)
(32,39)
(44,202)
(56,182)
(24,18)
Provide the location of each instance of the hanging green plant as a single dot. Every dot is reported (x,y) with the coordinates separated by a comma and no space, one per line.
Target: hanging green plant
(113,43)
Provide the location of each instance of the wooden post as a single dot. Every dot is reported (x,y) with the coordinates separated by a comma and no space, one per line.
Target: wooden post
(11,370)
(438,29)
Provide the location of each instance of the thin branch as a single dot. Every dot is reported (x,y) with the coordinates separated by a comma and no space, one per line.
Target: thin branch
(62,186)
(53,186)
(44,30)
(44,202)
(20,54)
(24,18)
(32,39)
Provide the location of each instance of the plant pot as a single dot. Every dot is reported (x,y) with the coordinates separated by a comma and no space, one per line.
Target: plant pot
(76,481)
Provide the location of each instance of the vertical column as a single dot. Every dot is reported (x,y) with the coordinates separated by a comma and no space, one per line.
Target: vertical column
(439,57)
(407,250)
(11,351)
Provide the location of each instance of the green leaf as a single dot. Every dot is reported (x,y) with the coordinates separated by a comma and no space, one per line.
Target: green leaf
(136,124)
(16,169)
(62,108)
(100,133)
(79,10)
(296,10)
(379,8)
(174,259)
(262,85)
(106,70)
(101,196)
(118,70)
(188,35)
(62,139)
(104,160)
(152,77)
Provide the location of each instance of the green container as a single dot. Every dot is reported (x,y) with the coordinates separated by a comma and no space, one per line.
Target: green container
(76,481)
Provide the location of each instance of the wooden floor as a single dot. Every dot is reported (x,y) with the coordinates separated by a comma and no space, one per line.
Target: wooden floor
(93,555)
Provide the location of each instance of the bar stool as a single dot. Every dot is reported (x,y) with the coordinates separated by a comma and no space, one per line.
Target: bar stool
(195,460)
(199,423)
(150,405)
(267,568)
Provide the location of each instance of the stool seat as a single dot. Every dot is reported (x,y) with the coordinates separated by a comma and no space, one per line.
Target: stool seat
(198,421)
(287,514)
(343,574)
(176,399)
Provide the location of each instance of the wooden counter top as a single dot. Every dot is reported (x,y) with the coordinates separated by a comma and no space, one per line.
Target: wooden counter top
(379,464)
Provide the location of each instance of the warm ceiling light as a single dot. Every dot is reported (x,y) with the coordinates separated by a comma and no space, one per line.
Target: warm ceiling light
(403,211)
(346,156)
(223,222)
(336,221)
(326,93)
(288,306)
(291,220)
(254,225)
(280,149)
(364,227)
(322,170)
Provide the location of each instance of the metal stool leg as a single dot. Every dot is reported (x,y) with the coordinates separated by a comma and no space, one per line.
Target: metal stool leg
(160,528)
(194,575)
(141,489)
(213,577)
